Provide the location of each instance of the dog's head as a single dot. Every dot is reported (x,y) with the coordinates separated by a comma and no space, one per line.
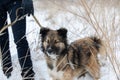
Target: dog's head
(54,42)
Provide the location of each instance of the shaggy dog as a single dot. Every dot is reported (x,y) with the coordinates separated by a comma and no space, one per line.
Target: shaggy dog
(67,62)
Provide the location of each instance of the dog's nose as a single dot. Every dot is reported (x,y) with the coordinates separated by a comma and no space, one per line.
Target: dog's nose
(50,50)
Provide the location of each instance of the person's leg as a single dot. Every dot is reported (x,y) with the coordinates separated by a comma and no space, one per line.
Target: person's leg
(19,30)
(4,44)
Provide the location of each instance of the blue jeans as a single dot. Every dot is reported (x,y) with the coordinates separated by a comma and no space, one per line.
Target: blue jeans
(19,30)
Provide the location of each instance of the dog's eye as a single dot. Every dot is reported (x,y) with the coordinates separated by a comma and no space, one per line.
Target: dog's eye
(57,41)
(47,41)
(88,53)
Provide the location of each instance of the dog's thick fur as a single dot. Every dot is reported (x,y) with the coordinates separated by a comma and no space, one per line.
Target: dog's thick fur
(66,62)
(82,54)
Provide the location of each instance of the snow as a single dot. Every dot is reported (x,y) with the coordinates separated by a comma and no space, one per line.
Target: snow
(52,16)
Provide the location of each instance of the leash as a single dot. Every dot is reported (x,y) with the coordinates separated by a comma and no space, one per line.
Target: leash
(18,19)
(36,20)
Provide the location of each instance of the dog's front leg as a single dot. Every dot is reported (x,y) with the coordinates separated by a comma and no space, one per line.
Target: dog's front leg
(68,74)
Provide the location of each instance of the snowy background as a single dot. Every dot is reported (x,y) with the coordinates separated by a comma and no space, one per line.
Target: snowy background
(82,18)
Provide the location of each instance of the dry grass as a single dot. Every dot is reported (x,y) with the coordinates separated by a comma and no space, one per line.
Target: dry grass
(108,33)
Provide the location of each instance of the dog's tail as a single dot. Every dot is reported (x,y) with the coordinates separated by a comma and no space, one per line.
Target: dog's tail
(97,42)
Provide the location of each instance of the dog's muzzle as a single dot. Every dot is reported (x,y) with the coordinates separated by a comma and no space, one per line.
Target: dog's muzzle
(50,50)
(51,53)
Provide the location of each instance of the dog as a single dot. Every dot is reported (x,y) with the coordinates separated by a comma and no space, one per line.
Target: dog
(54,45)
(68,62)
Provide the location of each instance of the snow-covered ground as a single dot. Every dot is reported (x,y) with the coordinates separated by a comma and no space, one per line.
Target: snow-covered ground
(60,13)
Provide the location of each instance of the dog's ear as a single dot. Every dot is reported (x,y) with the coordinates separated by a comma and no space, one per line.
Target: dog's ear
(62,32)
(44,31)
